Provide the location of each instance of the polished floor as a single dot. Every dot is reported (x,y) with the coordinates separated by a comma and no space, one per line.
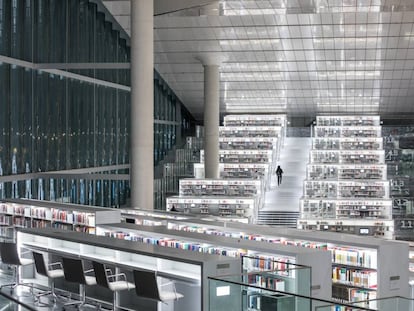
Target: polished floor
(24,295)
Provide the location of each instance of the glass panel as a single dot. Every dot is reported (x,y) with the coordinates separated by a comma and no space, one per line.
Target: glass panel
(265,292)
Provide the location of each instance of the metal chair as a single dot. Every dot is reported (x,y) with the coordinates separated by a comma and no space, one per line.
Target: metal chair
(146,286)
(114,282)
(9,254)
(74,272)
(52,271)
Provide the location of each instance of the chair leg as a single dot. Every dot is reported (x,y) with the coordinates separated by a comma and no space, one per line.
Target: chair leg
(82,300)
(17,282)
(114,301)
(50,292)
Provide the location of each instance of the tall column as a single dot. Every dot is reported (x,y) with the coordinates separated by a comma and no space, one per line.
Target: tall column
(211,120)
(142,104)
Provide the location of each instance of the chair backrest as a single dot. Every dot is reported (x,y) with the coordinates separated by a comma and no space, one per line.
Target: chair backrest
(100,274)
(73,270)
(146,285)
(40,263)
(9,254)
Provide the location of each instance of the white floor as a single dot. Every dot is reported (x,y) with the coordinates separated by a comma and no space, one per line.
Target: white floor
(293,159)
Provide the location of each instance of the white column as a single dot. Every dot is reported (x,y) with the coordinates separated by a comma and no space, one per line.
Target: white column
(142,104)
(211,120)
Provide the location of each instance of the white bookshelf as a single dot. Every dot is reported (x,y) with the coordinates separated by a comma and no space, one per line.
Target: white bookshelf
(346,184)
(376,227)
(242,143)
(22,213)
(368,120)
(346,171)
(347,189)
(247,156)
(228,187)
(225,206)
(347,157)
(346,143)
(368,255)
(238,171)
(250,131)
(346,209)
(193,241)
(347,131)
(255,120)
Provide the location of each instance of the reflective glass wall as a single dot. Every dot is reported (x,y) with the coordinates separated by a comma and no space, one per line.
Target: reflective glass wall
(58,117)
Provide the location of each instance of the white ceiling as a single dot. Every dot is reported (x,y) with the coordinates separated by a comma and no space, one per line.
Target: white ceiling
(300,57)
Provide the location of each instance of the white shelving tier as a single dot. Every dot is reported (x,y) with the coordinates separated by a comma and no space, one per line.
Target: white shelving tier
(346,189)
(224,206)
(227,187)
(247,156)
(190,270)
(22,213)
(250,143)
(255,120)
(222,188)
(249,148)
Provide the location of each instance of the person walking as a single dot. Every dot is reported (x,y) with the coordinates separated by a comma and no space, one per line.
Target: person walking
(279,173)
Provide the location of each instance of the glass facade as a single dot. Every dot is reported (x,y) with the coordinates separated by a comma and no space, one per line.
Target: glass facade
(75,117)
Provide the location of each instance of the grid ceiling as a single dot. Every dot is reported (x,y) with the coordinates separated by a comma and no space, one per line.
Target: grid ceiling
(300,57)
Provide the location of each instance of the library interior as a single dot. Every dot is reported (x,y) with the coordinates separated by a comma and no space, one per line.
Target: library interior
(207,155)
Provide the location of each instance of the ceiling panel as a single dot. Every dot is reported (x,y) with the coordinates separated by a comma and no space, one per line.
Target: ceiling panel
(301,57)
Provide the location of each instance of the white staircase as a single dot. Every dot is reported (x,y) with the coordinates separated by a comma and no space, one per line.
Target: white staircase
(282,202)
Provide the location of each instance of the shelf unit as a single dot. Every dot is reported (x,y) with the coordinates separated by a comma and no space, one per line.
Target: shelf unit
(238,171)
(190,270)
(214,205)
(250,131)
(254,120)
(227,187)
(389,259)
(284,255)
(241,143)
(359,226)
(347,157)
(347,189)
(346,171)
(345,209)
(347,178)
(22,213)
(344,143)
(249,148)
(348,120)
(247,156)
(347,131)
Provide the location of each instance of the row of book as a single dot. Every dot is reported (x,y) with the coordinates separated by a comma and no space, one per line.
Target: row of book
(354,257)
(246,236)
(265,263)
(362,278)
(73,217)
(266,281)
(268,263)
(5,220)
(349,294)
(41,213)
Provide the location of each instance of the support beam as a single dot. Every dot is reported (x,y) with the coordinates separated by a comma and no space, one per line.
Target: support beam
(211,120)
(142,104)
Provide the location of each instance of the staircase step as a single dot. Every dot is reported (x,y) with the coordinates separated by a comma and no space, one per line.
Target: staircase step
(273,218)
(281,205)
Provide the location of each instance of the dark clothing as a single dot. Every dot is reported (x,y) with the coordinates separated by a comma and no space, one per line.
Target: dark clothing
(279,173)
